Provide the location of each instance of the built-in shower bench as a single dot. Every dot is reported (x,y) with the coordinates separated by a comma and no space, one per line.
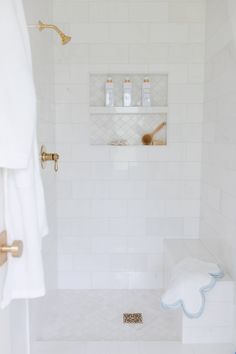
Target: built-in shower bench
(216,323)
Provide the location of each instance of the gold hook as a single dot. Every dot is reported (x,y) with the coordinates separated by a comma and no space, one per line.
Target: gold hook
(16,249)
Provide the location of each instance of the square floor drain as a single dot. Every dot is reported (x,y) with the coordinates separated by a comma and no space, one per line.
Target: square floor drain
(133,318)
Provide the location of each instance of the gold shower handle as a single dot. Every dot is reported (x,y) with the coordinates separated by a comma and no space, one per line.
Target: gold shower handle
(45,156)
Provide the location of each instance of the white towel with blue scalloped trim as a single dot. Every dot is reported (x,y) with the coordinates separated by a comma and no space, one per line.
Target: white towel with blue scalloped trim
(190,280)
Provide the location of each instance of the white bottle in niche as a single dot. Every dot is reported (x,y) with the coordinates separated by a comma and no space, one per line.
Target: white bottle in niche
(146,92)
(109,94)
(127,93)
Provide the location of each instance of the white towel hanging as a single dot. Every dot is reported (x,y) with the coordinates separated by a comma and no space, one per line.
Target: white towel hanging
(24,206)
(17,93)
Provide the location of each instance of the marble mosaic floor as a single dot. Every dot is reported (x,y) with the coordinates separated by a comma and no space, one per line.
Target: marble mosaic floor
(97,315)
(130,348)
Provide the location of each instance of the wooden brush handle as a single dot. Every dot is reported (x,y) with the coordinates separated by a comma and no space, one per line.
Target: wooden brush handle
(158,128)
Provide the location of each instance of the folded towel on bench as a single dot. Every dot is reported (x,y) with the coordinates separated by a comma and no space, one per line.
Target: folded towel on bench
(190,280)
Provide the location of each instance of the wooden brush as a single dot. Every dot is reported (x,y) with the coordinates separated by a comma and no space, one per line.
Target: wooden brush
(148,138)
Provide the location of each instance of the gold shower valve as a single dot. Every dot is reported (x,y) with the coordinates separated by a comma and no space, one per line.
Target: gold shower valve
(16,249)
(44,156)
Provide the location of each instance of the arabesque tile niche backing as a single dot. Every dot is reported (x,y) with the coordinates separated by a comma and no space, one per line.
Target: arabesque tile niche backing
(119,125)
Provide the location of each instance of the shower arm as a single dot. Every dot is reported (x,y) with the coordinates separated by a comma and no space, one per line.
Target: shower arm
(41,26)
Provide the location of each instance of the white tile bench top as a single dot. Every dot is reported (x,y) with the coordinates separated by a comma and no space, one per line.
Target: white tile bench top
(177,249)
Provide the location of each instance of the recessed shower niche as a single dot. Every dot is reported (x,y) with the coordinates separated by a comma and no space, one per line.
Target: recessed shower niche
(139,121)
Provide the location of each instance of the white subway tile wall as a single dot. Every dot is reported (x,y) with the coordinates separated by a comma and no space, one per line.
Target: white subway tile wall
(218,208)
(116,205)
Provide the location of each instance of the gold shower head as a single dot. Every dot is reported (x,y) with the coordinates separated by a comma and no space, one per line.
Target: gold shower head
(64,38)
